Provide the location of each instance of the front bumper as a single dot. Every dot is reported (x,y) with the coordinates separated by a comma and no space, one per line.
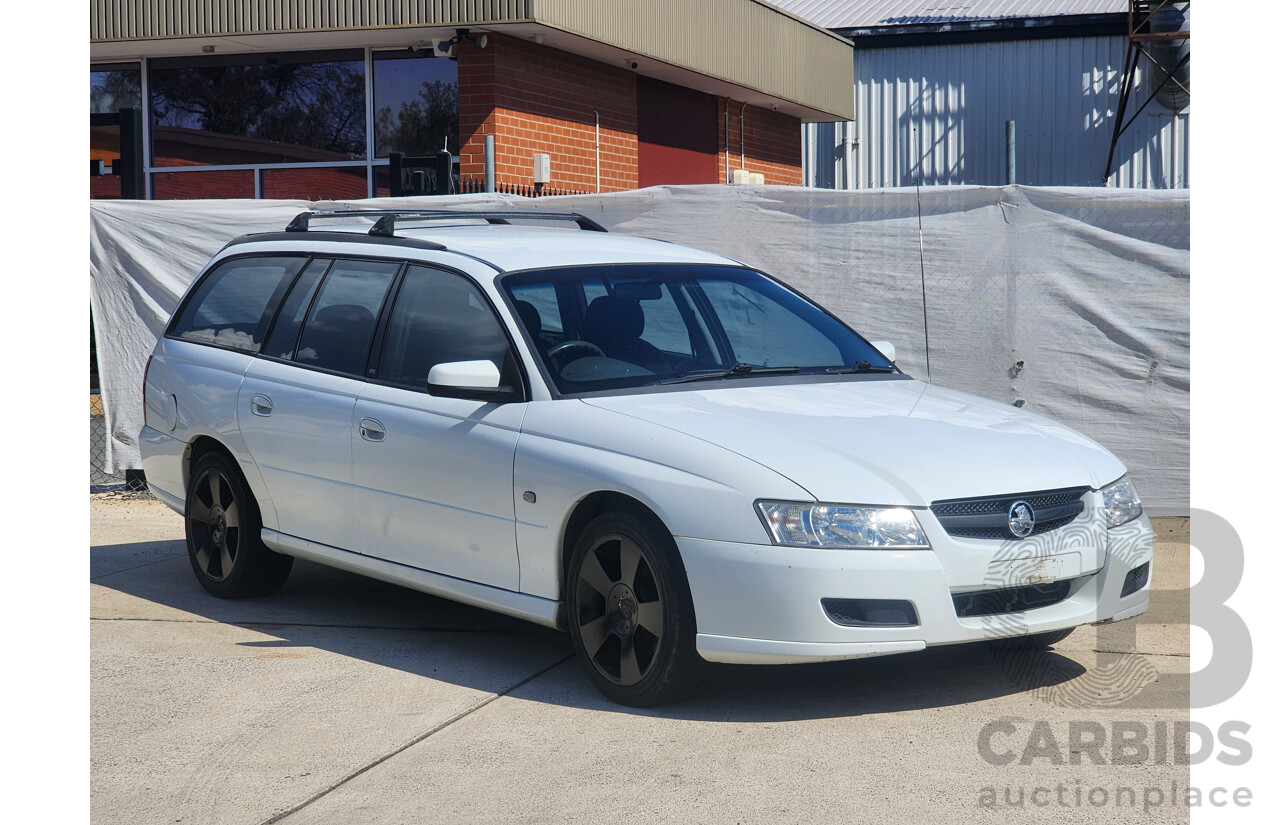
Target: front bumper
(761,604)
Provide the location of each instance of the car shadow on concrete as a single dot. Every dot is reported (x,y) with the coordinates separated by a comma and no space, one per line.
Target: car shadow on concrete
(383,624)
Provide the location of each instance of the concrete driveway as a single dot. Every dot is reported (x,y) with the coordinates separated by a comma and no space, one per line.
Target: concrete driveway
(344,700)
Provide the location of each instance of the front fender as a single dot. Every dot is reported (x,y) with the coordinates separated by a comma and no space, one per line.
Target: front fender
(568,450)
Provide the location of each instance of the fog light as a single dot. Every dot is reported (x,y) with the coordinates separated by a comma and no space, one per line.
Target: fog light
(1136,579)
(871,612)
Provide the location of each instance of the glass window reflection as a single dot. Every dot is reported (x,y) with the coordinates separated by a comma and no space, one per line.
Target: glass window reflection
(284,108)
(114,87)
(415,103)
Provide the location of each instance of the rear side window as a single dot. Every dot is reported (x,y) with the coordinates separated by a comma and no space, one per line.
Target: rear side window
(233,304)
(339,327)
(283,339)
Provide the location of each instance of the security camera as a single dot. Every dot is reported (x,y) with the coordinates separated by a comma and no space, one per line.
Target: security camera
(634,65)
(446,46)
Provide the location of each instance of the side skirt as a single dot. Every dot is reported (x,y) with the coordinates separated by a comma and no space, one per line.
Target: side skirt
(530,608)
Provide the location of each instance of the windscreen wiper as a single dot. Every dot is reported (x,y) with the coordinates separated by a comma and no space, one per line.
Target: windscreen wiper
(738,370)
(860,366)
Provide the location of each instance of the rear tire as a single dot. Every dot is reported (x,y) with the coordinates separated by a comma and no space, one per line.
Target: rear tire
(224,534)
(631,614)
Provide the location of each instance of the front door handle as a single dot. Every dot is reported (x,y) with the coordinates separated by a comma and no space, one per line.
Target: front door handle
(372,429)
(260,405)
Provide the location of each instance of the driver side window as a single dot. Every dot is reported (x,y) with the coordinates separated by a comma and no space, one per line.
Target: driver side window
(439,318)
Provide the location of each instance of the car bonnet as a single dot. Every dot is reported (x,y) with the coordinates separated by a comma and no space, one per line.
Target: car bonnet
(880,442)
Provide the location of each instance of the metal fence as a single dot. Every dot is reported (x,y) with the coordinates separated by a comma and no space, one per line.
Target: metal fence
(99,479)
(472,186)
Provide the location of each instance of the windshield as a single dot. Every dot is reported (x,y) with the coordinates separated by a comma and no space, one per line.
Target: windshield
(609,327)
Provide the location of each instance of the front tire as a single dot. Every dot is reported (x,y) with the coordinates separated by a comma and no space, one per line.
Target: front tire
(224,534)
(631,614)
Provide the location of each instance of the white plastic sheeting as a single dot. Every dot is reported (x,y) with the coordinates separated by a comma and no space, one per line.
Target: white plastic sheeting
(1071,302)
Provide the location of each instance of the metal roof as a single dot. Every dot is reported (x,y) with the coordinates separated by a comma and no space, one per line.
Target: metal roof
(853,14)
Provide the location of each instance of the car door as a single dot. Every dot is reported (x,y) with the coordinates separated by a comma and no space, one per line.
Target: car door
(297,398)
(433,474)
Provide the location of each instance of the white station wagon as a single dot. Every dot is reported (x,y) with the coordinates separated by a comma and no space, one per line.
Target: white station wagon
(670,455)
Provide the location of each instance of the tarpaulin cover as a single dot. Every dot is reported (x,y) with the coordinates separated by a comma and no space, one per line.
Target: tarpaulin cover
(1070,302)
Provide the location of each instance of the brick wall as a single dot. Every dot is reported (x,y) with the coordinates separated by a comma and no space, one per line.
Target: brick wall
(771,146)
(535,99)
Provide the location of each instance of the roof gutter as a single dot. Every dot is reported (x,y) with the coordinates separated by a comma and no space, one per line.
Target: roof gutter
(944,32)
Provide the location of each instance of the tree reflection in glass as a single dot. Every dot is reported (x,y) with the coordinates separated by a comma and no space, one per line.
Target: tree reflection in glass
(415,98)
(275,110)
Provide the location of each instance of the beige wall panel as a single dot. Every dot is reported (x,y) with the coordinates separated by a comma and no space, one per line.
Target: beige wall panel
(743,41)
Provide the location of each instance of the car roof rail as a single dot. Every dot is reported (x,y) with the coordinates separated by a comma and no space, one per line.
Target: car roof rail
(385,226)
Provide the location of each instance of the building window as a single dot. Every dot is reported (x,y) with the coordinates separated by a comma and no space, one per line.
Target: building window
(278,125)
(112,87)
(415,103)
(318,183)
(284,108)
(217,183)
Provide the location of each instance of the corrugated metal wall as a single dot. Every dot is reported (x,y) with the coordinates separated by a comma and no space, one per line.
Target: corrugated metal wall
(844,14)
(937,114)
(127,19)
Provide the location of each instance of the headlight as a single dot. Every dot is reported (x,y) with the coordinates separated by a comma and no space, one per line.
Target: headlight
(1120,502)
(808,524)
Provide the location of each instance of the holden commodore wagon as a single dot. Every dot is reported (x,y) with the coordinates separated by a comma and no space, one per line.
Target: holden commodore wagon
(673,457)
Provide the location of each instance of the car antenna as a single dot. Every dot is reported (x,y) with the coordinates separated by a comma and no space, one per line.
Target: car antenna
(924,301)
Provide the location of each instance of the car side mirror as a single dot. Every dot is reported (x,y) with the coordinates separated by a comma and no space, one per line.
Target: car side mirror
(465,377)
(886,349)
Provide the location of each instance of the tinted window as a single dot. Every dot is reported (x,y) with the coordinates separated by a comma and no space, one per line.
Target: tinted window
(114,87)
(230,306)
(283,340)
(340,325)
(415,103)
(438,318)
(276,108)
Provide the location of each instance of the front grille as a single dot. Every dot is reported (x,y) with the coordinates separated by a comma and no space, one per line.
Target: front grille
(987,517)
(1010,599)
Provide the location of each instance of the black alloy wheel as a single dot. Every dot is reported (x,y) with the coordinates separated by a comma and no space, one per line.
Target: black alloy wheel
(630,613)
(224,530)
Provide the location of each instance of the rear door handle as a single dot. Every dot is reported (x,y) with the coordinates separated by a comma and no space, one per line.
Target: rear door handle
(260,405)
(372,429)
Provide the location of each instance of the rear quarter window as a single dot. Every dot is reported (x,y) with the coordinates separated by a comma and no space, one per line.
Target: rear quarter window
(232,305)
